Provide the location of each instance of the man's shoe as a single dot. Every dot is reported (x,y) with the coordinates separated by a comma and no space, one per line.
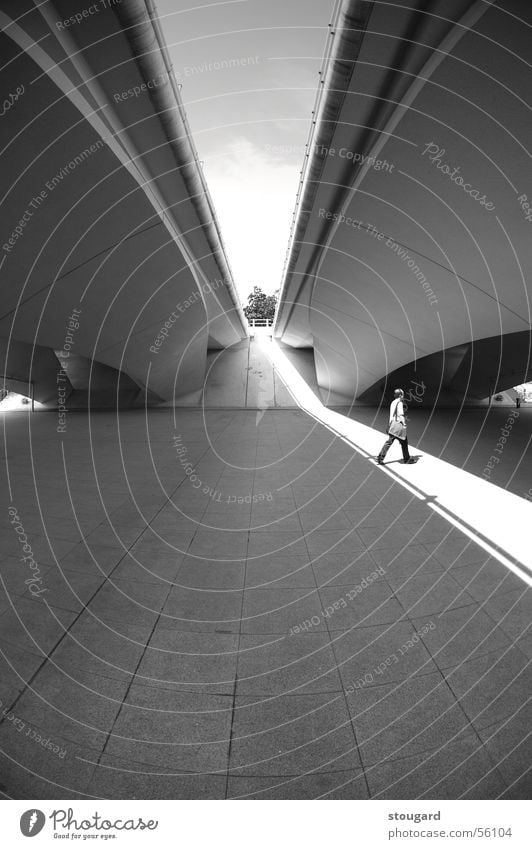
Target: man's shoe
(379,462)
(411,460)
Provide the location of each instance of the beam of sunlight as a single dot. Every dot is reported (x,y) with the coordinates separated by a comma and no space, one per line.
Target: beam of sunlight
(491,517)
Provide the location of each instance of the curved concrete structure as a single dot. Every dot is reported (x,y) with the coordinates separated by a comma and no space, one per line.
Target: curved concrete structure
(411,236)
(114,272)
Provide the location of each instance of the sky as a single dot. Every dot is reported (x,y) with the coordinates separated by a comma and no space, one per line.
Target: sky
(249,74)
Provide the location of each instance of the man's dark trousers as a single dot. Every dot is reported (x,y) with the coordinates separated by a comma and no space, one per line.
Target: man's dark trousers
(389,443)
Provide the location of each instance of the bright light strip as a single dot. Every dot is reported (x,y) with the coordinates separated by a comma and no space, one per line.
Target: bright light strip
(14,402)
(490,516)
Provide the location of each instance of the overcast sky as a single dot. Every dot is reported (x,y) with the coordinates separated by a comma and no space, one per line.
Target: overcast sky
(249,74)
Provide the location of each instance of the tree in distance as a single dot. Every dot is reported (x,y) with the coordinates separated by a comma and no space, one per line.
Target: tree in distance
(260,305)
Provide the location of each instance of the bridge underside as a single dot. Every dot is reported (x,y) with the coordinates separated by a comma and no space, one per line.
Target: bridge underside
(110,248)
(411,242)
(475,371)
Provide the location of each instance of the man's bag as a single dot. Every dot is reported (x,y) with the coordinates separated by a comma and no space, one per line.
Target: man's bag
(397,429)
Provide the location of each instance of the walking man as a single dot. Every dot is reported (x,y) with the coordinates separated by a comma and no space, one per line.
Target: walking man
(396,429)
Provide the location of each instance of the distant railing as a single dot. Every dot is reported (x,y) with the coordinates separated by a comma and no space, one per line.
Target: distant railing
(260,322)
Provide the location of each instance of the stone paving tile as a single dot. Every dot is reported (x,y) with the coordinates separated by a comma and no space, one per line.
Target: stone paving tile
(430,529)
(81,707)
(65,528)
(481,580)
(349,784)
(131,514)
(318,519)
(173,730)
(17,667)
(270,543)
(520,788)
(14,575)
(93,560)
(186,509)
(279,570)
(394,497)
(10,545)
(206,574)
(353,488)
(408,511)
(362,515)
(284,523)
(31,771)
(189,661)
(288,735)
(405,561)
(138,604)
(492,687)
(224,545)
(49,550)
(343,558)
(116,534)
(358,606)
(109,652)
(203,610)
(461,633)
(270,664)
(115,778)
(423,595)
(525,644)
(380,655)
(130,574)
(172,521)
(219,504)
(227,521)
(163,543)
(386,486)
(386,535)
(343,569)
(267,511)
(461,770)
(277,611)
(148,567)
(322,542)
(312,498)
(457,550)
(139,594)
(509,743)
(70,590)
(33,626)
(270,478)
(512,611)
(4,601)
(397,720)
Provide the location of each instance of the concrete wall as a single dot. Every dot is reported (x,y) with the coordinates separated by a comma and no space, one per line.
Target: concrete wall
(243,376)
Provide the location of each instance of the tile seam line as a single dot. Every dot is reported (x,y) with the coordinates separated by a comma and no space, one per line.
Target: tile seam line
(239,634)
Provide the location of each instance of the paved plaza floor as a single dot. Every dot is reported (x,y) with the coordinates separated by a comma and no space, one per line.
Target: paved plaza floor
(235,604)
